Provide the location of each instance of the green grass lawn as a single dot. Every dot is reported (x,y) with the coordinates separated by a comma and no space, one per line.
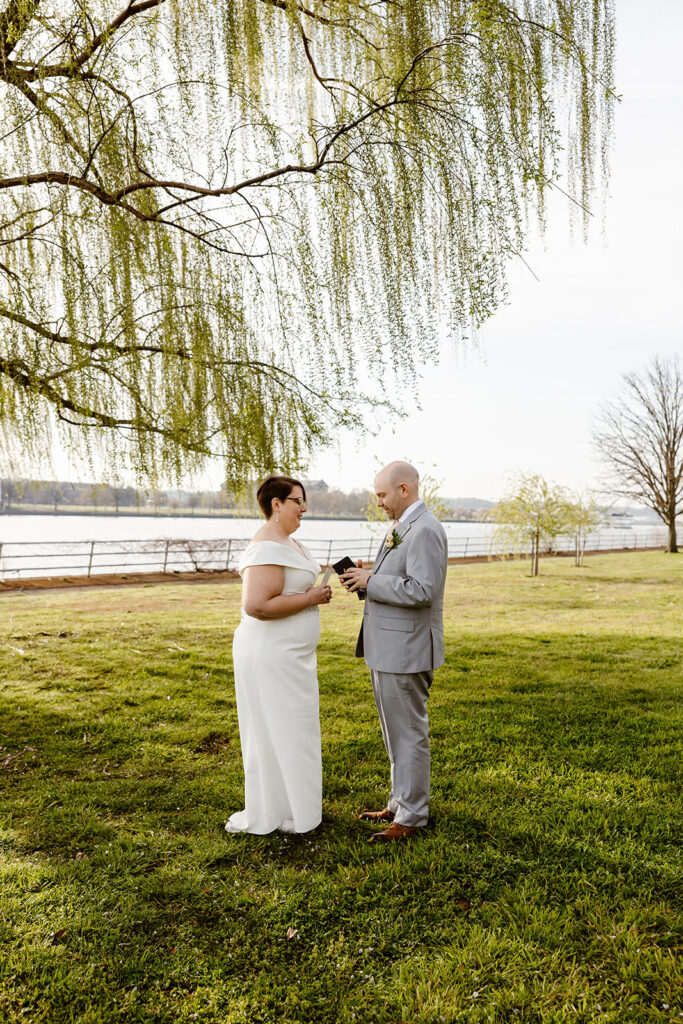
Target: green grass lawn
(546,888)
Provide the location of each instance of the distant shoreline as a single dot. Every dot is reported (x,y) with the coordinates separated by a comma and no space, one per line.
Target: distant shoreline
(129,513)
(170,514)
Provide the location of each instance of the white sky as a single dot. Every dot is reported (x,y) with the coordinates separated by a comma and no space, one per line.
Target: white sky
(526,399)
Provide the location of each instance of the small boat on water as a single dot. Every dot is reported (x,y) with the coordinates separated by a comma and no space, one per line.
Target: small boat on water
(617,520)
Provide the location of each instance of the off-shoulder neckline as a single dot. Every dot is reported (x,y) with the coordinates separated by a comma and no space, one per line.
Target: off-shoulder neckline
(307,556)
(253,543)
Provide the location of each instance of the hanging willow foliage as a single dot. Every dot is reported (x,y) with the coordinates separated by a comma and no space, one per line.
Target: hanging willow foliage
(210,212)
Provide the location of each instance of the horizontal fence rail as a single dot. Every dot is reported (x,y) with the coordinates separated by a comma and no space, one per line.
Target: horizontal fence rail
(492,547)
(29,559)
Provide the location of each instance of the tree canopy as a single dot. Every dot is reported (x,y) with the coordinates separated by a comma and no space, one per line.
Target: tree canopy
(533,512)
(211,214)
(582,516)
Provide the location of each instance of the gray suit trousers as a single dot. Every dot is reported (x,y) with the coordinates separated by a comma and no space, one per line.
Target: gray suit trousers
(402,708)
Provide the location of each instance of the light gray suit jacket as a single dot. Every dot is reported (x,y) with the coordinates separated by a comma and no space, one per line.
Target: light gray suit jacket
(402,629)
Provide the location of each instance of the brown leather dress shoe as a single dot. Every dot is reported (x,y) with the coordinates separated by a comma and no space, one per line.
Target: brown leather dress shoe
(394,833)
(384,815)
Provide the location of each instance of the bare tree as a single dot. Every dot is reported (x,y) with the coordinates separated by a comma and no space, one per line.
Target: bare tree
(202,554)
(639,436)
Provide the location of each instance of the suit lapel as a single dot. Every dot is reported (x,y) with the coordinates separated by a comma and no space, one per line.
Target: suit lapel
(380,554)
(401,530)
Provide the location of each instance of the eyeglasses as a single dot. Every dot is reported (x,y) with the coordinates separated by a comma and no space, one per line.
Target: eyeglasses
(301,502)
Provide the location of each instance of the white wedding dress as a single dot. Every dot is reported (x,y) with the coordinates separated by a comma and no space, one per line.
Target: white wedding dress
(276,686)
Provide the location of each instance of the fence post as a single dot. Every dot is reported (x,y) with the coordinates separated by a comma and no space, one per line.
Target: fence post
(92,548)
(329,553)
(227,557)
(467,540)
(1,560)
(165,556)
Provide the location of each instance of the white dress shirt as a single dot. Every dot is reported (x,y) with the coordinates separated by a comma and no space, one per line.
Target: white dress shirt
(404,515)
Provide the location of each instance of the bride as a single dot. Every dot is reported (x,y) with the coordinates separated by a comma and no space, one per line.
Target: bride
(276,682)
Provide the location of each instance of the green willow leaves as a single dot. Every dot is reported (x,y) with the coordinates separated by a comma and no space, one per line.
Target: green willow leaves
(214,217)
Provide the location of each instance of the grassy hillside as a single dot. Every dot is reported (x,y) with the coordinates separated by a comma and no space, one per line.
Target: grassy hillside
(545,888)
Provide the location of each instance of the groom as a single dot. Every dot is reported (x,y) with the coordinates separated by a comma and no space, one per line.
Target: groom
(401,639)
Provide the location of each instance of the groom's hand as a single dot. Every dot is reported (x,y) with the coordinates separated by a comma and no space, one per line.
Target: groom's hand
(355,579)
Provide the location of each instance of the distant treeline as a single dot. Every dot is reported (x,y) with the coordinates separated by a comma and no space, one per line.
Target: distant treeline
(68,495)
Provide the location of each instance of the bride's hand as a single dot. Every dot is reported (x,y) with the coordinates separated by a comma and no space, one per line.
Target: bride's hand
(319,595)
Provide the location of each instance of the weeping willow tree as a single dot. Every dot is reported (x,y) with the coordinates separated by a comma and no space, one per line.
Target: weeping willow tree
(533,513)
(212,213)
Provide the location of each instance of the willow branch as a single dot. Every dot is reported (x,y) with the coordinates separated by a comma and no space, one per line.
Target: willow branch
(71,68)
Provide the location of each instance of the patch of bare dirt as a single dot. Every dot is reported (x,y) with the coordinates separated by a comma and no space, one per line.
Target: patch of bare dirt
(115,580)
(214,743)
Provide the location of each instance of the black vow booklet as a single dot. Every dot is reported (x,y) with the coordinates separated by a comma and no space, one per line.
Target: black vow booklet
(341,566)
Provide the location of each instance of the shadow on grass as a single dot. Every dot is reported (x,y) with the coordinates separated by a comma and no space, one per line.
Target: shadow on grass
(554,768)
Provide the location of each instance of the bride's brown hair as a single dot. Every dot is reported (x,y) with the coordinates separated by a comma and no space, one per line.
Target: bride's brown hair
(276,487)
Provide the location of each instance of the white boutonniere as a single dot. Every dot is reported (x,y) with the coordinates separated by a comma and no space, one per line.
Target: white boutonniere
(393,540)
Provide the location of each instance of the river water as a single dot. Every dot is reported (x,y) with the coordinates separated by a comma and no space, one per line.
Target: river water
(30,528)
(54,545)
(61,528)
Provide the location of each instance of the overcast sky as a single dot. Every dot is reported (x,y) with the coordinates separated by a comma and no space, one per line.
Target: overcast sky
(526,399)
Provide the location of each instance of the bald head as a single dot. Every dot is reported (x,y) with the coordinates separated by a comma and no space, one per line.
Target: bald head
(397,487)
(402,473)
